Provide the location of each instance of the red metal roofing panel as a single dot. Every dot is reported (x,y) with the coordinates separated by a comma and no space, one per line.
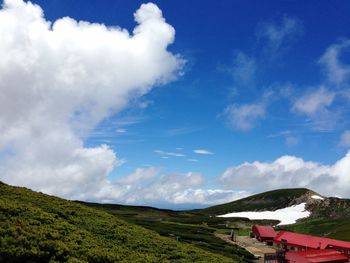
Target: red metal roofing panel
(318,256)
(266,231)
(310,241)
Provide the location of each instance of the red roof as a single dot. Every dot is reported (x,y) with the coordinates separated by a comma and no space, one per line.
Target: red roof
(265,231)
(317,256)
(310,241)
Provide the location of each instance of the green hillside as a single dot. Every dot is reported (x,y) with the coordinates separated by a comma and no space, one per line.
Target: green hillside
(35,227)
(330,207)
(192,228)
(271,200)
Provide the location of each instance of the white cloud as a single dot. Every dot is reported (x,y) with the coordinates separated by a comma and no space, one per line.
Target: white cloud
(208,196)
(164,188)
(291,141)
(59,80)
(149,186)
(243,69)
(314,102)
(279,36)
(323,106)
(121,130)
(244,117)
(345,139)
(193,160)
(316,105)
(289,171)
(203,152)
(139,175)
(337,72)
(167,154)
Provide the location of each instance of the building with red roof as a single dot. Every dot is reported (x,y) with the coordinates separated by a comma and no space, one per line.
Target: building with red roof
(263,233)
(316,256)
(299,242)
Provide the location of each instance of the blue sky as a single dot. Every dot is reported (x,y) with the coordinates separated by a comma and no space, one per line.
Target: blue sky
(257,81)
(188,113)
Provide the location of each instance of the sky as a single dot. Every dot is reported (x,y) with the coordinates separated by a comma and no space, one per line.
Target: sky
(174,104)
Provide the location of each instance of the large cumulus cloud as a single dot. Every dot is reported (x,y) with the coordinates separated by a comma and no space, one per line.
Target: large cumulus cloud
(290,172)
(59,80)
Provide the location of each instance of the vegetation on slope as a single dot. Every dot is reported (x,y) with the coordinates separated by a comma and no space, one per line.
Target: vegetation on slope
(188,227)
(330,207)
(330,217)
(35,227)
(271,200)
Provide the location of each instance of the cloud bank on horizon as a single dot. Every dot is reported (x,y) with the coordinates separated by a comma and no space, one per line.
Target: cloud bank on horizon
(59,80)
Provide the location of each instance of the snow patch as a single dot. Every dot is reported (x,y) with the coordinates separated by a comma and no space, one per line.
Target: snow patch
(288,215)
(317,197)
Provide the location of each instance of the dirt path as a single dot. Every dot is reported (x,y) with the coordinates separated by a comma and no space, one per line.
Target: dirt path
(252,245)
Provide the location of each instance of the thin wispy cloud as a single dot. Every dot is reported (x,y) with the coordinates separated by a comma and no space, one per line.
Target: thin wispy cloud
(121,130)
(277,37)
(345,139)
(167,154)
(314,102)
(203,152)
(280,134)
(128,120)
(274,38)
(336,71)
(316,105)
(289,137)
(244,117)
(243,70)
(291,141)
(181,131)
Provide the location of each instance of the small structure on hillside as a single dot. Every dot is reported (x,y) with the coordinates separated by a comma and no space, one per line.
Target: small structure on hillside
(263,234)
(233,236)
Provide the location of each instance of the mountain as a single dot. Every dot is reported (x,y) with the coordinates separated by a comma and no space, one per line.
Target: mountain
(35,227)
(271,201)
(329,216)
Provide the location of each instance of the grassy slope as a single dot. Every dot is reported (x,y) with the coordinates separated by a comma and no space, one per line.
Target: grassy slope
(271,200)
(39,228)
(198,226)
(191,228)
(331,208)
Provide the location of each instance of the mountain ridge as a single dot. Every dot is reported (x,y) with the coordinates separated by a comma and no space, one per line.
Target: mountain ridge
(270,200)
